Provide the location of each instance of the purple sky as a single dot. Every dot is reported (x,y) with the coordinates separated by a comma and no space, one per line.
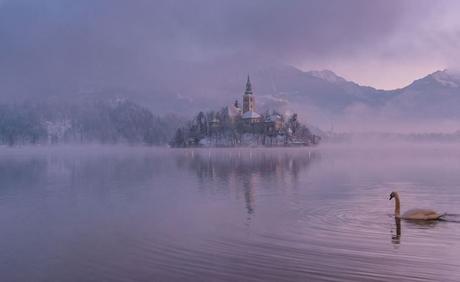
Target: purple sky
(385,44)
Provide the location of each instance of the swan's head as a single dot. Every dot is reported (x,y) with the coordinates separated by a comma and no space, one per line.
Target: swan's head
(393,194)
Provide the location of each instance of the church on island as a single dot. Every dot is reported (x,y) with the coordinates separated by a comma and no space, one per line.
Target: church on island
(249,105)
(249,115)
(243,126)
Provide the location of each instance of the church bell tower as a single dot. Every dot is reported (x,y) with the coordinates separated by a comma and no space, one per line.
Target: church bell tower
(249,103)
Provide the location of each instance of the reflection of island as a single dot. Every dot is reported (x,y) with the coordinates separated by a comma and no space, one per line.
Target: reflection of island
(241,171)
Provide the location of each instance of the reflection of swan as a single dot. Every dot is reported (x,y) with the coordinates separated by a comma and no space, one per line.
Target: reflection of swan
(415,214)
(396,238)
(418,224)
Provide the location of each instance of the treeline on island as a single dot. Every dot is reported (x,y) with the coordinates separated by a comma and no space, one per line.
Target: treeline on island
(105,122)
(221,128)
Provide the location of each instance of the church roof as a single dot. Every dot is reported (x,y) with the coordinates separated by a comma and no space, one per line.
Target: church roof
(251,114)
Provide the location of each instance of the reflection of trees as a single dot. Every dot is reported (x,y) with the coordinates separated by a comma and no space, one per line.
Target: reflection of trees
(240,170)
(81,172)
(21,173)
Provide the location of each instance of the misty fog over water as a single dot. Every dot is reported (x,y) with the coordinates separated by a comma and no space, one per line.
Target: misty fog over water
(124,213)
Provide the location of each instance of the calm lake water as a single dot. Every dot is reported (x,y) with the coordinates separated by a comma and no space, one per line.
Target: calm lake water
(146,214)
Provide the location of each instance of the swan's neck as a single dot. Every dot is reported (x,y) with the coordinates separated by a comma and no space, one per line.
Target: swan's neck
(397,207)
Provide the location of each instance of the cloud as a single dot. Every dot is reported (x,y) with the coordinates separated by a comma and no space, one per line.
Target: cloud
(56,45)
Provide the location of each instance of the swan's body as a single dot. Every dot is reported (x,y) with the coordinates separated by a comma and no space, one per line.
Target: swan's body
(420,214)
(415,214)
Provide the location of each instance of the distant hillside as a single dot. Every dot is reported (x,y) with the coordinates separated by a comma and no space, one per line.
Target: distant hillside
(99,121)
(320,98)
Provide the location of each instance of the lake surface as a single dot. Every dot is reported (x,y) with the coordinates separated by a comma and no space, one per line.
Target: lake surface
(146,214)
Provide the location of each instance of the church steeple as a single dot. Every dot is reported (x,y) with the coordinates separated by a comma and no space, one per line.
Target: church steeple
(249,103)
(248,87)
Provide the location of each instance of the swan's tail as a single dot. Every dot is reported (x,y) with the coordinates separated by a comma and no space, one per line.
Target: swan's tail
(442,216)
(450,217)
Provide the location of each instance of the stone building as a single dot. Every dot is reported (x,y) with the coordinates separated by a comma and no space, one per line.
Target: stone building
(249,105)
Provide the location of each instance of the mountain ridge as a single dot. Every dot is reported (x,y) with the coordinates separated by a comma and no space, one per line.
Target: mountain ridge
(321,96)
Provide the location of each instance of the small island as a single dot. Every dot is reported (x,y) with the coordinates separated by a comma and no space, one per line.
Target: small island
(235,126)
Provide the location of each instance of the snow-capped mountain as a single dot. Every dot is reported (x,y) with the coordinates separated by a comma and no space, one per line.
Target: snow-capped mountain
(327,75)
(446,79)
(435,96)
(438,80)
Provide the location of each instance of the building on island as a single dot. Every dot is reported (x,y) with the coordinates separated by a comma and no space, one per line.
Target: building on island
(248,112)
(235,126)
(249,105)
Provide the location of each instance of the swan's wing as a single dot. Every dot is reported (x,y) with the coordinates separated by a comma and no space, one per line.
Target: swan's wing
(423,214)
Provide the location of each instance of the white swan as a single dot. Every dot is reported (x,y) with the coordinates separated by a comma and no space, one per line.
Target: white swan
(415,214)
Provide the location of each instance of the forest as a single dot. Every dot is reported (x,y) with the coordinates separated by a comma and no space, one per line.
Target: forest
(102,121)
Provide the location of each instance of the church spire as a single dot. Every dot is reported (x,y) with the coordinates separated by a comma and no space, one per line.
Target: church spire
(248,86)
(249,103)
